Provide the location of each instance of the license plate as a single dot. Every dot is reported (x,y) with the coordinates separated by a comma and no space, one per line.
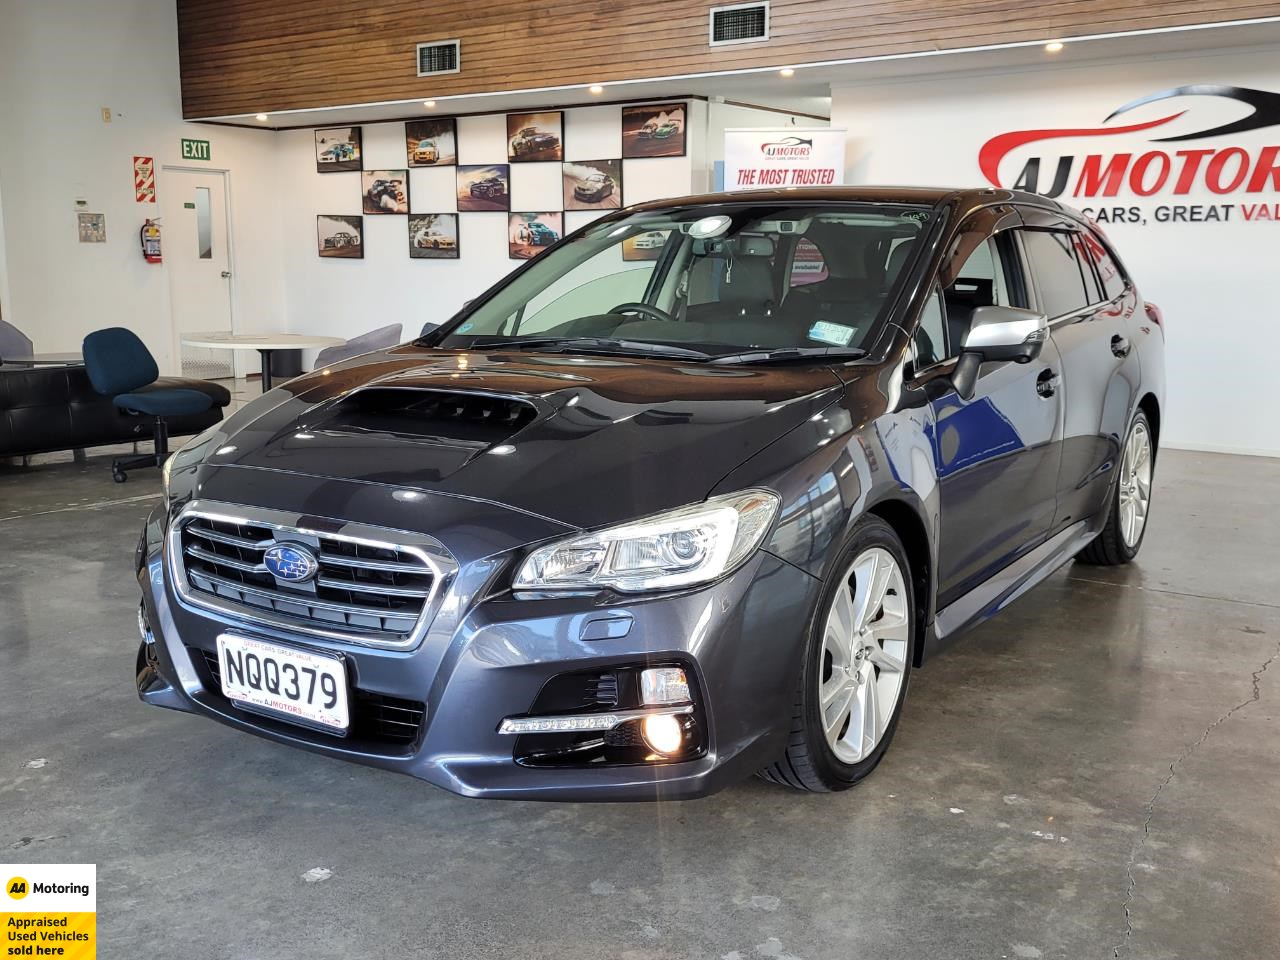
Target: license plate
(297,685)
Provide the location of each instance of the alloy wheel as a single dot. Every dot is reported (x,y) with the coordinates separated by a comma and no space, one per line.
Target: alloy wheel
(1135,484)
(864,650)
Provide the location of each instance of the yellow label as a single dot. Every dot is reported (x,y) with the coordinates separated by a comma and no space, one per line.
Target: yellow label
(67,936)
(16,888)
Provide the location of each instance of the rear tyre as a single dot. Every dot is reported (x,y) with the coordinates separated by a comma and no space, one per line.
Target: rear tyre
(1130,501)
(856,666)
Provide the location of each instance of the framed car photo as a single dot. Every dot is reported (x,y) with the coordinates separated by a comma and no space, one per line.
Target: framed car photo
(484,186)
(654,130)
(433,236)
(340,237)
(338,149)
(593,185)
(535,136)
(385,191)
(431,143)
(528,234)
(645,246)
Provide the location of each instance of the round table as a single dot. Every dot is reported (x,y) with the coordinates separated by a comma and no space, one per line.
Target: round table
(264,343)
(45,359)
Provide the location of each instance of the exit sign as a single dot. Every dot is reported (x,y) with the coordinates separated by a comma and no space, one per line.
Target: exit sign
(195,149)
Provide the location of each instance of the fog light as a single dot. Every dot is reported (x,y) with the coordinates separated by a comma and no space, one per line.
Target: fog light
(664,685)
(663,733)
(144,628)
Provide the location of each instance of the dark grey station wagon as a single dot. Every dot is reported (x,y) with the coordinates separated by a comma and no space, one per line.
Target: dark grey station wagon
(645,519)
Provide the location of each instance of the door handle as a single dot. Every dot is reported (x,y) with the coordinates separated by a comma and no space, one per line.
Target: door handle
(226,275)
(1048,382)
(1120,346)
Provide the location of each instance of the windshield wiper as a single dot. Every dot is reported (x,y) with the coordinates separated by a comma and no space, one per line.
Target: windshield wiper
(591,345)
(783,354)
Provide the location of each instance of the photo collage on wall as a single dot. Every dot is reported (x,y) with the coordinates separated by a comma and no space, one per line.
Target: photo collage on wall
(647,131)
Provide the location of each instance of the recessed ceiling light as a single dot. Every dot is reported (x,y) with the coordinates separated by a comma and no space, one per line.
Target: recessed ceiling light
(1053,46)
(787,72)
(262,116)
(428,103)
(596,88)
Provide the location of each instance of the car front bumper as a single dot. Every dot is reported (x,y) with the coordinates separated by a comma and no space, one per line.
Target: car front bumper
(739,638)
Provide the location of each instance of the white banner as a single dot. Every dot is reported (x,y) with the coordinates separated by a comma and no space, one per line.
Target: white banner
(783,157)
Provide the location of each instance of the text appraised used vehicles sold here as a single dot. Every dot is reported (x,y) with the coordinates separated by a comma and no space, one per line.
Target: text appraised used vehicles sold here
(635,529)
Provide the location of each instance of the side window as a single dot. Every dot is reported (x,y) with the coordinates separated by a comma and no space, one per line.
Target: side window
(929,345)
(982,281)
(807,264)
(1052,256)
(1092,286)
(1105,264)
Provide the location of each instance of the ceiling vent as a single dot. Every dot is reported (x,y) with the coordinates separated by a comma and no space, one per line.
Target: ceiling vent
(739,23)
(441,56)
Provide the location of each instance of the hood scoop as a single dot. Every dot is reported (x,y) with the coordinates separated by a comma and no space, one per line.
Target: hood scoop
(451,418)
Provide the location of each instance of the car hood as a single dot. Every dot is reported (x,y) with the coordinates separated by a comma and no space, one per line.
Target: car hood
(584,440)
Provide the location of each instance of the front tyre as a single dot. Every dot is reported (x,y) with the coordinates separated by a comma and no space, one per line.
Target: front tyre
(1130,502)
(856,666)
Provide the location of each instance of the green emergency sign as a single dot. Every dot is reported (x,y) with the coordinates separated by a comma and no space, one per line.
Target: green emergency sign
(195,150)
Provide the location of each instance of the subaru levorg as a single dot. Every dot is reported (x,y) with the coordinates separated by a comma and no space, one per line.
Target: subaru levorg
(634,529)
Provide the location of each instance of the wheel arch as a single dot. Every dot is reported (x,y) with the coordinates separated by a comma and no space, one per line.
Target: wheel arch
(911,530)
(1151,407)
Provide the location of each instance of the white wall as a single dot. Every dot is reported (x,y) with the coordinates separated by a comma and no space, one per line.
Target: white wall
(345,297)
(1214,281)
(61,62)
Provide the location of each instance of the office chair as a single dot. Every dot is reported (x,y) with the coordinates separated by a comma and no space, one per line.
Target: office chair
(379,339)
(13,342)
(120,366)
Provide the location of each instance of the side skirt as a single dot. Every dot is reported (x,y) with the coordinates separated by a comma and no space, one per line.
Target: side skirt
(990,597)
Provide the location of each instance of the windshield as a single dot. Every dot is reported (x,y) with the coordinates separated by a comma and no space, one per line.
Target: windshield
(711,279)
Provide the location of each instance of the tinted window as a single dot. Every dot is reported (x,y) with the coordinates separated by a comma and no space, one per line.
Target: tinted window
(1053,262)
(1091,284)
(1105,263)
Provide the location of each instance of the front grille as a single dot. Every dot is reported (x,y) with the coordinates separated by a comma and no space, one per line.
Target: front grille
(375,717)
(371,591)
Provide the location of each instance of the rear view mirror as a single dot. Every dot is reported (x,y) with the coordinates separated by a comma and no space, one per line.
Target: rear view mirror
(998,334)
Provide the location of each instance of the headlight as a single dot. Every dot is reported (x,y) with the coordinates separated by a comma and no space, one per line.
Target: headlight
(690,545)
(190,452)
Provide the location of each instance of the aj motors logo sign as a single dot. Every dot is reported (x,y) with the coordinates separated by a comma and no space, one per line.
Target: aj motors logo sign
(1146,164)
(797,148)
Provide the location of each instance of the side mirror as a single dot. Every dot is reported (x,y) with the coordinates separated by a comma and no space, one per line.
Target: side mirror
(998,334)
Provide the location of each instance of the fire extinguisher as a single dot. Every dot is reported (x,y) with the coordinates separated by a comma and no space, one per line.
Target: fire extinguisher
(150,236)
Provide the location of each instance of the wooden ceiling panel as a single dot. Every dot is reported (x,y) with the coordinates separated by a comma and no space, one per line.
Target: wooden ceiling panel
(250,56)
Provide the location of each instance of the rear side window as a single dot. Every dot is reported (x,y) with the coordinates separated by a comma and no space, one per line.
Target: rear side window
(1105,264)
(1052,257)
(1092,285)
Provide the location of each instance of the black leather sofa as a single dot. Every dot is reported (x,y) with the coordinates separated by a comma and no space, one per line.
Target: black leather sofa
(43,409)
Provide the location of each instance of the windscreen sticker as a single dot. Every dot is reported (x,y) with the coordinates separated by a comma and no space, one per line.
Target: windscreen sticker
(827,332)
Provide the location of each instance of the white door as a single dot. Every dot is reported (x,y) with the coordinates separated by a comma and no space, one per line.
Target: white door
(197,251)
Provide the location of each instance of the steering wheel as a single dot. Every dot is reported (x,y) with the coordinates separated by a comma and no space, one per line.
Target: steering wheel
(644,309)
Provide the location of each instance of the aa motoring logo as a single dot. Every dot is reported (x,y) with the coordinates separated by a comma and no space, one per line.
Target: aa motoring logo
(1146,164)
(16,888)
(794,148)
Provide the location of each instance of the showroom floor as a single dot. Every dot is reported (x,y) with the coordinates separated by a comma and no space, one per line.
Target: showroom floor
(1095,770)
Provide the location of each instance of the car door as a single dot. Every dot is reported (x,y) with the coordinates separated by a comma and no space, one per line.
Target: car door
(996,454)
(1090,328)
